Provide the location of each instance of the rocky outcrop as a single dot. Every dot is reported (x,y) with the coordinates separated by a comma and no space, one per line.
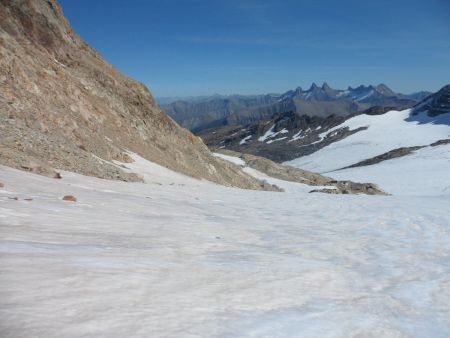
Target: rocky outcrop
(349,187)
(62,106)
(282,172)
(288,173)
(395,153)
(439,103)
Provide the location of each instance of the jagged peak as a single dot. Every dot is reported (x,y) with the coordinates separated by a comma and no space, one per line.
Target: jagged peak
(325,86)
(361,87)
(382,85)
(384,89)
(313,86)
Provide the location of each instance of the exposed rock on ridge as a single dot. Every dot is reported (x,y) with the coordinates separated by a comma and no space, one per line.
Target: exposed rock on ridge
(439,102)
(288,173)
(62,106)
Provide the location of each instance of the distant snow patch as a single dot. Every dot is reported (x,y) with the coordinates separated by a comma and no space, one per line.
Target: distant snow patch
(270,134)
(233,159)
(245,139)
(278,139)
(267,134)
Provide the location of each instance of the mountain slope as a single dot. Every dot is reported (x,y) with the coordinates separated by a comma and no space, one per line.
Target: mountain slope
(405,153)
(288,136)
(208,112)
(62,106)
(283,137)
(378,134)
(425,171)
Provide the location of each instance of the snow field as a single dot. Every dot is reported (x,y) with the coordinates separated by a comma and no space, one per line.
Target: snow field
(178,257)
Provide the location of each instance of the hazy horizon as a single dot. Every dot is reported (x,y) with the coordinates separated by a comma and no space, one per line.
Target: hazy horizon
(195,47)
(306,87)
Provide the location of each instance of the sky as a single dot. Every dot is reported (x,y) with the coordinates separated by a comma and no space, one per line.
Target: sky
(203,47)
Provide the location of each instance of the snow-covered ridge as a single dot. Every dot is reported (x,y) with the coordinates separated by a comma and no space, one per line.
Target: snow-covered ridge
(384,132)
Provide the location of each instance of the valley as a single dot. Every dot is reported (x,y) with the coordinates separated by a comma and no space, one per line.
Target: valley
(316,212)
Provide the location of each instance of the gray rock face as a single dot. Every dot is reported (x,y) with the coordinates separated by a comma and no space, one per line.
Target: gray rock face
(215,111)
(439,102)
(63,107)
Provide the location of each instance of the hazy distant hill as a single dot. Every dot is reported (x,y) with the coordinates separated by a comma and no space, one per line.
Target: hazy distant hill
(198,113)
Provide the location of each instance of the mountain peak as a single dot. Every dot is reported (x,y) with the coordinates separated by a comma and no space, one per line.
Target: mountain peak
(360,87)
(438,103)
(325,86)
(385,90)
(313,86)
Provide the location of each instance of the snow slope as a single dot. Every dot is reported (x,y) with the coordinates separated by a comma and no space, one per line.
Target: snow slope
(384,133)
(424,172)
(178,257)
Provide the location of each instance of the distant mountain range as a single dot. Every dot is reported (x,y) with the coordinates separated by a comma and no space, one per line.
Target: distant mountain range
(288,136)
(198,113)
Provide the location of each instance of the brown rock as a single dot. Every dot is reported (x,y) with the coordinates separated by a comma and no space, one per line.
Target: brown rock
(2,185)
(69,198)
(287,173)
(280,171)
(63,94)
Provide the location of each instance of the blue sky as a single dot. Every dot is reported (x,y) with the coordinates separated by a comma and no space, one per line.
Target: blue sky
(196,47)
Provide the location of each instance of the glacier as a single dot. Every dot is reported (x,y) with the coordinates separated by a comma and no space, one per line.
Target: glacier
(180,257)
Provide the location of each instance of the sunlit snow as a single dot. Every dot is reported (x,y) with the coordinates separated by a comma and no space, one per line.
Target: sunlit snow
(384,133)
(178,257)
(245,139)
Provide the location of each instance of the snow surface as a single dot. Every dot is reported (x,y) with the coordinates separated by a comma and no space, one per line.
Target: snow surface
(245,139)
(233,159)
(179,257)
(385,132)
(267,134)
(424,172)
(277,139)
